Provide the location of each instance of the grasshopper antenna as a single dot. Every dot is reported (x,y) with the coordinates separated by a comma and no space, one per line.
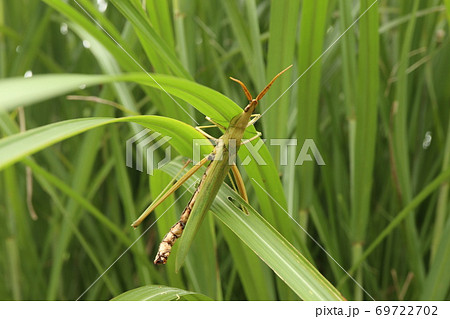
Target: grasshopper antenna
(246,91)
(264,91)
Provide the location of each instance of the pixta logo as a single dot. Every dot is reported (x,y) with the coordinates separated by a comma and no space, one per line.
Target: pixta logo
(146,143)
(308,152)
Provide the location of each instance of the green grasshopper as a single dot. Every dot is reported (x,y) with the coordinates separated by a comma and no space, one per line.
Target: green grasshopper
(222,159)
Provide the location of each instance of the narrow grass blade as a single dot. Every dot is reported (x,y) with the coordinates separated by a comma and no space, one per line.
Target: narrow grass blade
(283,28)
(366,123)
(160,293)
(438,279)
(150,40)
(443,204)
(401,148)
(310,47)
(245,30)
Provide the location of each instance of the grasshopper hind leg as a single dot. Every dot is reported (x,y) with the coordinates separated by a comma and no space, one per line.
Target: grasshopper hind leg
(199,128)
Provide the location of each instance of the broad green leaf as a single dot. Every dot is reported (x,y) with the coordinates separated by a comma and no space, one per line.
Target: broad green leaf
(14,148)
(160,293)
(254,231)
(23,92)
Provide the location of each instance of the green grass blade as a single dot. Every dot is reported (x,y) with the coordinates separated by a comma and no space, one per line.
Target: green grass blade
(159,15)
(159,52)
(447,5)
(66,189)
(442,205)
(42,87)
(90,26)
(245,31)
(310,47)
(283,28)
(255,276)
(150,40)
(438,278)
(16,147)
(366,123)
(159,293)
(401,149)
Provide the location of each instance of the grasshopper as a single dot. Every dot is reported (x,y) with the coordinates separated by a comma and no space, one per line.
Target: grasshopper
(222,160)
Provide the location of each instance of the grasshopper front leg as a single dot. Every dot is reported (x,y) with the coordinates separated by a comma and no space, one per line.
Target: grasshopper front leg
(215,123)
(255,117)
(258,134)
(199,128)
